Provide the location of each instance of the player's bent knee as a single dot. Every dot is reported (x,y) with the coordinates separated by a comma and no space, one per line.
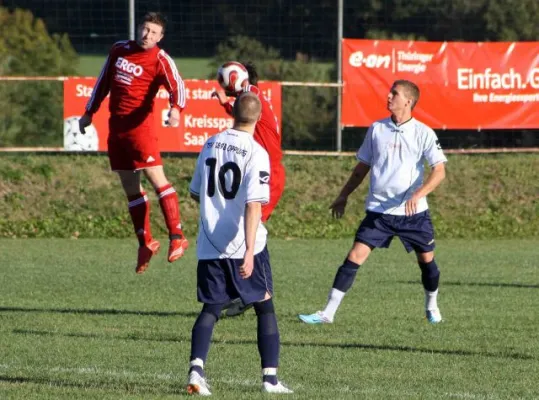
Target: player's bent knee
(213,309)
(264,307)
(425,257)
(430,268)
(359,253)
(430,275)
(156,176)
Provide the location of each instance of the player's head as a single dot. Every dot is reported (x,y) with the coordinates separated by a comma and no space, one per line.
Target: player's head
(253,74)
(247,109)
(403,96)
(151,30)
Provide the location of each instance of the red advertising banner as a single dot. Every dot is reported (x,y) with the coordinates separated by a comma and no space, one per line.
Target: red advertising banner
(201,118)
(463,85)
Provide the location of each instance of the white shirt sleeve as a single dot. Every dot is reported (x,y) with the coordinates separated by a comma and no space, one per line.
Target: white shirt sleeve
(257,177)
(196,180)
(364,154)
(432,151)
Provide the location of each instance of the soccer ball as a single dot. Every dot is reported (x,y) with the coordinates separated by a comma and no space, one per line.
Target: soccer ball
(231,76)
(74,140)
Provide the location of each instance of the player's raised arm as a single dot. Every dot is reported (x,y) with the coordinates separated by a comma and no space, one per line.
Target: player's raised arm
(220,95)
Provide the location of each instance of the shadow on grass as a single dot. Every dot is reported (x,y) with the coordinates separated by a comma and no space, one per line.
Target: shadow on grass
(127,388)
(183,339)
(486,284)
(91,311)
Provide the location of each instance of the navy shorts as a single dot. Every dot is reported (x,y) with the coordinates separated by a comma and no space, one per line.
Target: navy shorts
(219,281)
(415,232)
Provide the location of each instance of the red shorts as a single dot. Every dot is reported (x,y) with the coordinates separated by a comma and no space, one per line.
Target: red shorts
(277,183)
(133,149)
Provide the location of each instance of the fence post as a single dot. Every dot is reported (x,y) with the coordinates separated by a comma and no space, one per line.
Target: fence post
(339,74)
(131,19)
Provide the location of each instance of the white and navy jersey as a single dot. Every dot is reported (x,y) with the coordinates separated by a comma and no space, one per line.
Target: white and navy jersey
(396,155)
(232,170)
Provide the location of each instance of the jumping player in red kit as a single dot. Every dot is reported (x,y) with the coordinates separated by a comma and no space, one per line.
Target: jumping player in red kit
(268,135)
(133,73)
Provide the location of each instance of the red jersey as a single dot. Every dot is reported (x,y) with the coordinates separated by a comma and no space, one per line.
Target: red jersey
(267,134)
(133,76)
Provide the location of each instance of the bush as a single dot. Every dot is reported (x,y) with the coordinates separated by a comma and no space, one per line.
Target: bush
(308,114)
(31,112)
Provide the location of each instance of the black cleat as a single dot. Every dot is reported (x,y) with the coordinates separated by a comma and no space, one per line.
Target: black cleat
(235,307)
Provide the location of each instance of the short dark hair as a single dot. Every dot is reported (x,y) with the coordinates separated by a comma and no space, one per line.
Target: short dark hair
(155,18)
(247,108)
(410,88)
(251,70)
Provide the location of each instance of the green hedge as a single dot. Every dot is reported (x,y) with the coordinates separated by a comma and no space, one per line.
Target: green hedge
(30,111)
(484,196)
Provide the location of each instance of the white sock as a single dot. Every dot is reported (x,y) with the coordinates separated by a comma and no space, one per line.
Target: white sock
(431,302)
(334,300)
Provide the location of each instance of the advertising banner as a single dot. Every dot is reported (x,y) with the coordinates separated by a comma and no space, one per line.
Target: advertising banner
(462,85)
(201,118)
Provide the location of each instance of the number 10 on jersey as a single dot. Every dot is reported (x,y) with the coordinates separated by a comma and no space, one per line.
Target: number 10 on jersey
(230,192)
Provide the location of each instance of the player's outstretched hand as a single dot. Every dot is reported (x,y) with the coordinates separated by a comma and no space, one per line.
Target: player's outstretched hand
(338,207)
(221,96)
(174,118)
(246,269)
(84,121)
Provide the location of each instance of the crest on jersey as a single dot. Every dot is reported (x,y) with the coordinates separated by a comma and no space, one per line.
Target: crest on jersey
(264,177)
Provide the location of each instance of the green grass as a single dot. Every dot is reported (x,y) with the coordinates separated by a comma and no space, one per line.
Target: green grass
(77,323)
(189,68)
(483,196)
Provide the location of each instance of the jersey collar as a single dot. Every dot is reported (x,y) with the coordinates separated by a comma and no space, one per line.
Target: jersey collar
(399,125)
(237,131)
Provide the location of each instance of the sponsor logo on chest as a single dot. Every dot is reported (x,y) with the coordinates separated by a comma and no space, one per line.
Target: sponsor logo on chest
(129,67)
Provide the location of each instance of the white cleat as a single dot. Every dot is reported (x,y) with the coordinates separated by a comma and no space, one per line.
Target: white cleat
(434,316)
(278,388)
(197,385)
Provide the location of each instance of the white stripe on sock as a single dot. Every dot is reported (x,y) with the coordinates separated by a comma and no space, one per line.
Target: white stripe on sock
(197,362)
(138,201)
(166,192)
(269,371)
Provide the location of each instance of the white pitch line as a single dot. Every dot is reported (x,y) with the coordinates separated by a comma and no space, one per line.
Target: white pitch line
(167,376)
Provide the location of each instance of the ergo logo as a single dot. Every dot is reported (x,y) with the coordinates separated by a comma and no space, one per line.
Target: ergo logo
(127,66)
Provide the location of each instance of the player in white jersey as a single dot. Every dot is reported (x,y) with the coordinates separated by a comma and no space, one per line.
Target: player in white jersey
(394,151)
(231,182)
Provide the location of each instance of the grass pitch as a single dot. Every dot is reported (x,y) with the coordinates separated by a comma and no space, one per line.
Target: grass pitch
(77,323)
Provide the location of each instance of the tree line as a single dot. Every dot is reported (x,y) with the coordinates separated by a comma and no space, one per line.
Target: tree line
(282,40)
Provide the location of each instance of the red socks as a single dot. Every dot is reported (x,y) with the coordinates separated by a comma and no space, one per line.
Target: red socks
(139,208)
(168,200)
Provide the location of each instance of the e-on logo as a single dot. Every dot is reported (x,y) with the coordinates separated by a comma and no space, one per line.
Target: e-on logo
(358,59)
